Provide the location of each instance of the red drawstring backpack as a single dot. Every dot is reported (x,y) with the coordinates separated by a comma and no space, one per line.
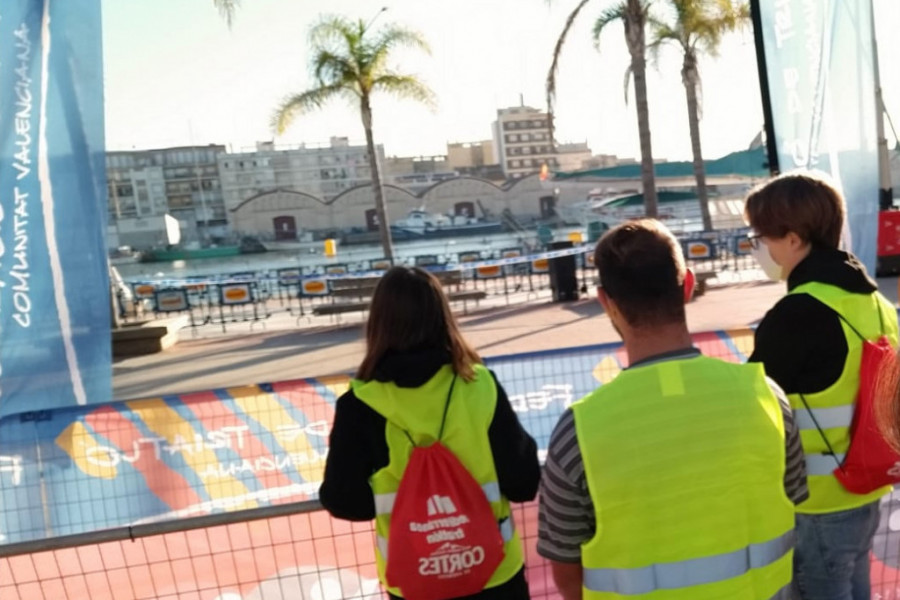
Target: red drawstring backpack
(444,540)
(870,463)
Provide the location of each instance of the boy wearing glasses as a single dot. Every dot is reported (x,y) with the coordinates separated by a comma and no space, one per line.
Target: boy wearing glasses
(810,343)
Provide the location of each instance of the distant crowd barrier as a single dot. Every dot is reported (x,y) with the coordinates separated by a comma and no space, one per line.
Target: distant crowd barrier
(336,288)
(213,494)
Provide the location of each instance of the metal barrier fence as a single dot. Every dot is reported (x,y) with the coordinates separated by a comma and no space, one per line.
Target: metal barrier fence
(253,297)
(212,495)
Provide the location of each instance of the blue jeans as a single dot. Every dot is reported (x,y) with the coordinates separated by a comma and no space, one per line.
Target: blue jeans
(831,560)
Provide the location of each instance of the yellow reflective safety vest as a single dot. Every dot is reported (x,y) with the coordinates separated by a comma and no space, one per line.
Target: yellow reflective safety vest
(418,411)
(872,316)
(685,463)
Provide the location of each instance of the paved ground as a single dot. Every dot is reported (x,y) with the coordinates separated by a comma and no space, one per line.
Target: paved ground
(315,348)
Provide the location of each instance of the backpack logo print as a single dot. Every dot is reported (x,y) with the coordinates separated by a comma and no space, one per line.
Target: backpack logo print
(440,505)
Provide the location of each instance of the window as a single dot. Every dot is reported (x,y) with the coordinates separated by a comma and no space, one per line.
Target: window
(515,164)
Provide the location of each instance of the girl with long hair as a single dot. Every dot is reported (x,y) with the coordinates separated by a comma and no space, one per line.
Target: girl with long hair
(419,382)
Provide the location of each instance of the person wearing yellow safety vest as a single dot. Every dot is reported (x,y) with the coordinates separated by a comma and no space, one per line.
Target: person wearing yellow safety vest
(678,478)
(414,350)
(810,343)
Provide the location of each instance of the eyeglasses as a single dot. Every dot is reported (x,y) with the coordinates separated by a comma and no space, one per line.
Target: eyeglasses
(754,238)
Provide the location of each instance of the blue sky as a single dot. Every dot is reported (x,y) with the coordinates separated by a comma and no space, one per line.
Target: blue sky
(175,74)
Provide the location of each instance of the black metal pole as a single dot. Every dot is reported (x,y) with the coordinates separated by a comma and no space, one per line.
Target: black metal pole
(771,148)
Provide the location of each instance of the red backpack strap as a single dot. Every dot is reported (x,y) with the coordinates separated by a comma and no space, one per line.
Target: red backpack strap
(863,340)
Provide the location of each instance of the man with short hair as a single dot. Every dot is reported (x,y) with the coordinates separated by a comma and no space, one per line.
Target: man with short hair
(678,479)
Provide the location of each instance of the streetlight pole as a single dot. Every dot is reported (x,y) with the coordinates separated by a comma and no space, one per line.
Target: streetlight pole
(372,20)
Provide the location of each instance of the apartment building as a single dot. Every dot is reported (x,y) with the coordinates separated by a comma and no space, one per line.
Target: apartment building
(523,141)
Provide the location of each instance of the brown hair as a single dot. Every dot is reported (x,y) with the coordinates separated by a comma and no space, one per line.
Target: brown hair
(887,402)
(409,312)
(642,269)
(805,204)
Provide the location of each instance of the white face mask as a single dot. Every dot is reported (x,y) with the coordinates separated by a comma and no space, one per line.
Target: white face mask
(771,268)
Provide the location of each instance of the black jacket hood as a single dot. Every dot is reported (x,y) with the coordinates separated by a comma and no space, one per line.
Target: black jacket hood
(410,369)
(832,267)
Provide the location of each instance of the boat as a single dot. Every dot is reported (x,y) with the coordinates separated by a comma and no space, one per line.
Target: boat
(124,255)
(680,211)
(421,224)
(181,253)
(247,245)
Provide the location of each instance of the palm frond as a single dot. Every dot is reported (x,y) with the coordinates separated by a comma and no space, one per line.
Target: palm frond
(661,35)
(405,87)
(608,16)
(299,104)
(330,68)
(331,30)
(227,8)
(629,71)
(389,38)
(554,65)
(393,36)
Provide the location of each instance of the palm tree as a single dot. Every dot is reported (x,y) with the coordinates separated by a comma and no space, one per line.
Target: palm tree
(350,63)
(697,26)
(634,16)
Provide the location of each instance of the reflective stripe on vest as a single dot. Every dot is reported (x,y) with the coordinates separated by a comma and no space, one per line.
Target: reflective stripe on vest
(507,531)
(688,573)
(823,464)
(827,418)
(384,503)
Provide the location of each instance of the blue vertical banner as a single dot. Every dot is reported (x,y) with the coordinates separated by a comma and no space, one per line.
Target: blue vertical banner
(819,59)
(54,283)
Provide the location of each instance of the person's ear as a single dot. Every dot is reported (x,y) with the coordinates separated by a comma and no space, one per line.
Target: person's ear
(603,298)
(690,282)
(795,241)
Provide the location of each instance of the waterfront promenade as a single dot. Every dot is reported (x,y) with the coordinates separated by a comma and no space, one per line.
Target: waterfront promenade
(314,347)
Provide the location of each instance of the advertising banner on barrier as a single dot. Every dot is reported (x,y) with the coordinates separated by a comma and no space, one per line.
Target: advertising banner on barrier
(54,284)
(192,454)
(819,57)
(172,457)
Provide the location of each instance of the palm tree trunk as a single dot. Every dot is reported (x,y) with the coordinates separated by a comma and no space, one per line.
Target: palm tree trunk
(384,226)
(648,178)
(634,35)
(689,78)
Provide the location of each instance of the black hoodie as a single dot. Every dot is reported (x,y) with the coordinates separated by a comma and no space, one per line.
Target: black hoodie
(358,448)
(800,341)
